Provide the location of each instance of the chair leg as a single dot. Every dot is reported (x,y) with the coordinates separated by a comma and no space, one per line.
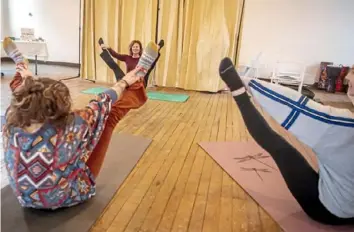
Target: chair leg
(300,86)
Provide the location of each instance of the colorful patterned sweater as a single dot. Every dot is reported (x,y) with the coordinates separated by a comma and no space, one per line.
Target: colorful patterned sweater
(47,168)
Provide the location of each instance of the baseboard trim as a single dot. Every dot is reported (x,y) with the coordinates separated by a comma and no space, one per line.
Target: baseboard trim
(58,63)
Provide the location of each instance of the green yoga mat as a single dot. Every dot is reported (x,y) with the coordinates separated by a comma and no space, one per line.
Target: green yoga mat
(167,97)
(96,90)
(151,95)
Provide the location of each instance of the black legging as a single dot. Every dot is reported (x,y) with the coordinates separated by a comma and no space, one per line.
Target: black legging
(107,58)
(146,77)
(118,73)
(299,176)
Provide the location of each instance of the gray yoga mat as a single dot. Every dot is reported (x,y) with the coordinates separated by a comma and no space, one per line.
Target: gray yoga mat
(123,153)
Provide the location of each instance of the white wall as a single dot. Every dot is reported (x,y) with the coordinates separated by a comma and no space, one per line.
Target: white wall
(55,21)
(307,31)
(4,16)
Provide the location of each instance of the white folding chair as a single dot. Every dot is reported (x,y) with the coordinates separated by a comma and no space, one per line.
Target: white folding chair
(250,70)
(289,73)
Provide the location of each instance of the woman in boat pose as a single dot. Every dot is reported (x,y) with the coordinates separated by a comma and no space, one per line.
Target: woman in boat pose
(130,60)
(326,196)
(53,154)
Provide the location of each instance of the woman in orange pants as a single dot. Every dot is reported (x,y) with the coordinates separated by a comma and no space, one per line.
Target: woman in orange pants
(53,154)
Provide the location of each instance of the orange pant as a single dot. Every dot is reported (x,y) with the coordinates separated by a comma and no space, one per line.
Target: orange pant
(133,97)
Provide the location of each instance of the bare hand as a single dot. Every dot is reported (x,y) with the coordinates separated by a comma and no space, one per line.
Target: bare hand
(23,70)
(131,76)
(129,79)
(103,46)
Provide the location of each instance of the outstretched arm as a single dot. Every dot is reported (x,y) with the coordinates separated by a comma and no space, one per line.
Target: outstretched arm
(116,55)
(113,53)
(16,82)
(21,73)
(96,112)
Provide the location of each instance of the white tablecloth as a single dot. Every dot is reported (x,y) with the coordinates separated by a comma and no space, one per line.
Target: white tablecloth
(30,49)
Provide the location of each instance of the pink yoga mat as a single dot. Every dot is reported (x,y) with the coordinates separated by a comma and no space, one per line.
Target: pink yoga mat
(253,168)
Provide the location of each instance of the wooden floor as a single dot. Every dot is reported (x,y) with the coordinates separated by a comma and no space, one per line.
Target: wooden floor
(176,186)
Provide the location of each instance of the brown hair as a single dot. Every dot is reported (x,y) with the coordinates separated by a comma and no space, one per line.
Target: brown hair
(41,100)
(132,44)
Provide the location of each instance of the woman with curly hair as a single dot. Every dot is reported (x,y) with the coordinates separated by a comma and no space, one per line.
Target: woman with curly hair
(53,154)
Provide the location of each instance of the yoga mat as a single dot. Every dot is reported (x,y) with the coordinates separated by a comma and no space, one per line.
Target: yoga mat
(167,97)
(122,155)
(95,90)
(253,168)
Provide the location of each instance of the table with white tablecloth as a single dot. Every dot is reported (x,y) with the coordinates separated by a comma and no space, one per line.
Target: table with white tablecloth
(31,49)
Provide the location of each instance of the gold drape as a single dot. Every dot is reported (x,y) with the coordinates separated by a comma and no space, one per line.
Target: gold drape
(118,22)
(198,34)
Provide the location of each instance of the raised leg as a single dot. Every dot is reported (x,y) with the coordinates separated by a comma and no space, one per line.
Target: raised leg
(107,58)
(133,98)
(299,176)
(146,77)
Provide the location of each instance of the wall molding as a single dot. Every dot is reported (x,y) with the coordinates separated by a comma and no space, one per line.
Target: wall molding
(58,63)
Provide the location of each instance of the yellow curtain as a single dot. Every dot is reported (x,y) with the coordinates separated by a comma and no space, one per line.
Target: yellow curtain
(198,34)
(117,22)
(240,18)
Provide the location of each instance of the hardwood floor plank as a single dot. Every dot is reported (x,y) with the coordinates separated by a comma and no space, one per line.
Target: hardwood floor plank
(149,201)
(197,218)
(160,155)
(224,134)
(184,210)
(173,204)
(160,140)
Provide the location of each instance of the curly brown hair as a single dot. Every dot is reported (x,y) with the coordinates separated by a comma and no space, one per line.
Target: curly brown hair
(42,100)
(132,44)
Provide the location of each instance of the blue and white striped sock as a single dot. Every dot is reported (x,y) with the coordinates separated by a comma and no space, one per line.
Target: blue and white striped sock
(12,51)
(147,58)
